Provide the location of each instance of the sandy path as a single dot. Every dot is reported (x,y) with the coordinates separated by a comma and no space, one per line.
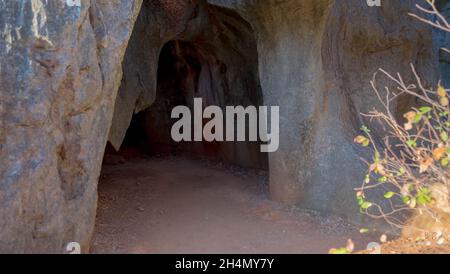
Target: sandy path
(182,206)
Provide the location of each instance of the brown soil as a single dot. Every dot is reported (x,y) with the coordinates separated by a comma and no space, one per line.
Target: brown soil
(177,205)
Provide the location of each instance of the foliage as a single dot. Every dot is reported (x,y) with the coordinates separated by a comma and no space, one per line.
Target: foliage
(412,160)
(413,156)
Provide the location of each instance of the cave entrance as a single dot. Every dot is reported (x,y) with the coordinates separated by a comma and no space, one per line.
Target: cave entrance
(158,195)
(187,71)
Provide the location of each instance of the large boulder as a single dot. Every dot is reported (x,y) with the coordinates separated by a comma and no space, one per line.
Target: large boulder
(60,70)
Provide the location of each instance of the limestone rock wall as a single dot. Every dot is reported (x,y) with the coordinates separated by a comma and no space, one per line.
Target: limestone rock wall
(443,39)
(316,58)
(59,73)
(158,23)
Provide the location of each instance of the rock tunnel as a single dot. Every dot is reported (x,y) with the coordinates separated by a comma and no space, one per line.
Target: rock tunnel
(185,72)
(215,60)
(106,74)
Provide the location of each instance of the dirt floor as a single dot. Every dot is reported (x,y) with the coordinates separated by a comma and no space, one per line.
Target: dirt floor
(178,205)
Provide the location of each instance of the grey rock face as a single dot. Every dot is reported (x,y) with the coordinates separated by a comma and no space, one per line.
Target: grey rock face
(443,39)
(60,70)
(59,73)
(316,59)
(158,23)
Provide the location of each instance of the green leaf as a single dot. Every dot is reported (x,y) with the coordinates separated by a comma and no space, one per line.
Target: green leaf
(445,161)
(364,230)
(383,179)
(401,172)
(444,136)
(360,200)
(411,143)
(425,110)
(406,200)
(418,118)
(424,196)
(365,129)
(366,205)
(423,200)
(389,195)
(367,179)
(377,157)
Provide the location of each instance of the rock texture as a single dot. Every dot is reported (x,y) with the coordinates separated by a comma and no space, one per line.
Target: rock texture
(59,74)
(158,23)
(316,59)
(444,42)
(60,71)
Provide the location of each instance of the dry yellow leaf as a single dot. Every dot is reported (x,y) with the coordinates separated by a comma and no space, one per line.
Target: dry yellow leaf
(408,126)
(378,169)
(360,139)
(410,116)
(441,91)
(438,153)
(444,101)
(425,164)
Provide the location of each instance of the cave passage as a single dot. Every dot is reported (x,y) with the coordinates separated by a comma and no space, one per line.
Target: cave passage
(153,186)
(187,183)
(160,196)
(186,71)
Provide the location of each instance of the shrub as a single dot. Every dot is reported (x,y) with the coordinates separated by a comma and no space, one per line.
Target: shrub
(411,162)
